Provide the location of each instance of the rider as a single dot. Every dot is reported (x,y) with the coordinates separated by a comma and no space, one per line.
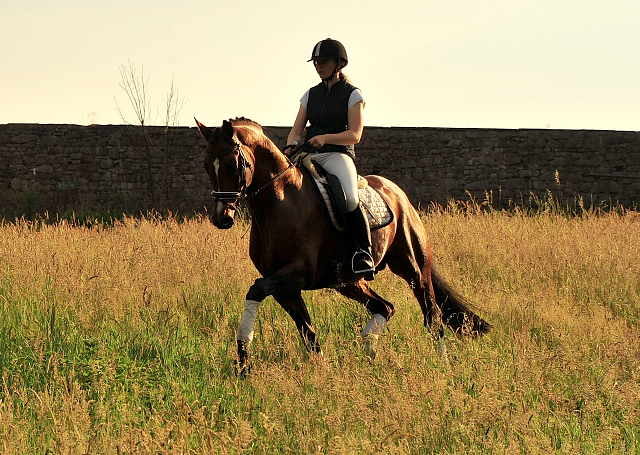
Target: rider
(333,109)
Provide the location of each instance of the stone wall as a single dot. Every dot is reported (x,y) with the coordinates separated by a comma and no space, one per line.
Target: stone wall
(62,168)
(436,164)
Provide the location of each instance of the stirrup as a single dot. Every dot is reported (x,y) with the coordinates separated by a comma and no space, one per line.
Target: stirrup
(366,269)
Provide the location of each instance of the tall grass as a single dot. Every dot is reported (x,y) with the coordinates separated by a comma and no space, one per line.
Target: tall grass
(121,339)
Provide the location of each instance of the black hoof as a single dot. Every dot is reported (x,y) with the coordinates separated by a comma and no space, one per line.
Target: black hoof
(242,369)
(242,363)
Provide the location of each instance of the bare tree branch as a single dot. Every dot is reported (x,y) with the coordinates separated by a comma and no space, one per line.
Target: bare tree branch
(134,84)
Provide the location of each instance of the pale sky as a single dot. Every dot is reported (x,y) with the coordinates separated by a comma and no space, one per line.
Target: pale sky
(565,64)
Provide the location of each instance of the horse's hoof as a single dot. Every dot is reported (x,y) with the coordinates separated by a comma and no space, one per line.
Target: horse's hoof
(242,369)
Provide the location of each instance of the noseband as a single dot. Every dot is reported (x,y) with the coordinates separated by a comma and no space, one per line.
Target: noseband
(244,164)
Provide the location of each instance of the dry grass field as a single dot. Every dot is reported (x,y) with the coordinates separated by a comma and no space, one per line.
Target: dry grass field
(121,340)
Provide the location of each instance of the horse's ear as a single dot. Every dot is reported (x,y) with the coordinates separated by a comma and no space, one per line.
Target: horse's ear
(206,132)
(227,129)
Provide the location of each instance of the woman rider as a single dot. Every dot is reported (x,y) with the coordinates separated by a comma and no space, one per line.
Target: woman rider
(333,109)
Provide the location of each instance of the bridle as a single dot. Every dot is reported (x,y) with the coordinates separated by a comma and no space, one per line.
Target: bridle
(232,197)
(243,164)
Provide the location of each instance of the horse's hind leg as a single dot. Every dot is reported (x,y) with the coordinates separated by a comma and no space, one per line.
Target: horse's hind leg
(410,258)
(294,305)
(432,315)
(422,288)
(381,311)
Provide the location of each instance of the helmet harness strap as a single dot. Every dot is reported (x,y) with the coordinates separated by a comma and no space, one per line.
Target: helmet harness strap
(335,71)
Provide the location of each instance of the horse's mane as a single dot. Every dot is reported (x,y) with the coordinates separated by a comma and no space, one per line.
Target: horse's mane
(241,121)
(255,132)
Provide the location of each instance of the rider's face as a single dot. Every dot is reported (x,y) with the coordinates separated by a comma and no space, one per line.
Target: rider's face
(325,67)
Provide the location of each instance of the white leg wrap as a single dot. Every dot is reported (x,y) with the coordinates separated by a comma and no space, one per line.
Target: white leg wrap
(374,327)
(371,333)
(442,351)
(248,321)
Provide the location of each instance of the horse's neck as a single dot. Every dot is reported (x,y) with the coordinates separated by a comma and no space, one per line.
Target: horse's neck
(274,176)
(269,162)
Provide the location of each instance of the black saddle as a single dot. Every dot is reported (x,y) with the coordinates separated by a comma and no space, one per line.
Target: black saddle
(330,191)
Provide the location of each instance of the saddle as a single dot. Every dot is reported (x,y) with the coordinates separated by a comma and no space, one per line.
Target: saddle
(332,194)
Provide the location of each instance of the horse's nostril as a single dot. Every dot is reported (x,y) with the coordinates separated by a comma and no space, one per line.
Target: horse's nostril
(224,222)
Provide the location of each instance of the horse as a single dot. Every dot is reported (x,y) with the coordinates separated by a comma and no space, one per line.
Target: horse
(295,247)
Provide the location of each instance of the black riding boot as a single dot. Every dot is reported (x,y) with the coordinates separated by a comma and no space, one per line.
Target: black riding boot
(358,225)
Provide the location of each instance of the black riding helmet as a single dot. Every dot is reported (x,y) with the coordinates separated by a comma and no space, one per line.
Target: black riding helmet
(330,48)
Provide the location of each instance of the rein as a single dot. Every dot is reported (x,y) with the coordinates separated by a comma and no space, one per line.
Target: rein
(253,194)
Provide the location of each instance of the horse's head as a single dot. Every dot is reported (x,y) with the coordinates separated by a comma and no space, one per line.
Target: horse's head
(229,170)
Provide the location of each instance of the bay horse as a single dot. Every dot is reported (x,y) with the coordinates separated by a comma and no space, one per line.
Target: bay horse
(295,247)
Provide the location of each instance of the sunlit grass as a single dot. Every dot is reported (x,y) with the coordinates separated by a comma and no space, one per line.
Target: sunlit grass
(121,339)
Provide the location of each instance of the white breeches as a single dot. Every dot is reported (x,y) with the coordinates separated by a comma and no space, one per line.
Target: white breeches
(343,167)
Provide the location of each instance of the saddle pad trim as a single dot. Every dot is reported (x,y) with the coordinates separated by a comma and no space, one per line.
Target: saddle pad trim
(378,212)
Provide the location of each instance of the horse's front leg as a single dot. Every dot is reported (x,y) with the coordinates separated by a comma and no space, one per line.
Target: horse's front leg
(294,305)
(286,281)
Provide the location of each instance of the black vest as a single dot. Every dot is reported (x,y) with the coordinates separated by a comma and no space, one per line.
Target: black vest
(327,113)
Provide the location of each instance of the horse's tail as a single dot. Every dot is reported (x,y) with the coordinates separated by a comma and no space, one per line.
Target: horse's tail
(456,310)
